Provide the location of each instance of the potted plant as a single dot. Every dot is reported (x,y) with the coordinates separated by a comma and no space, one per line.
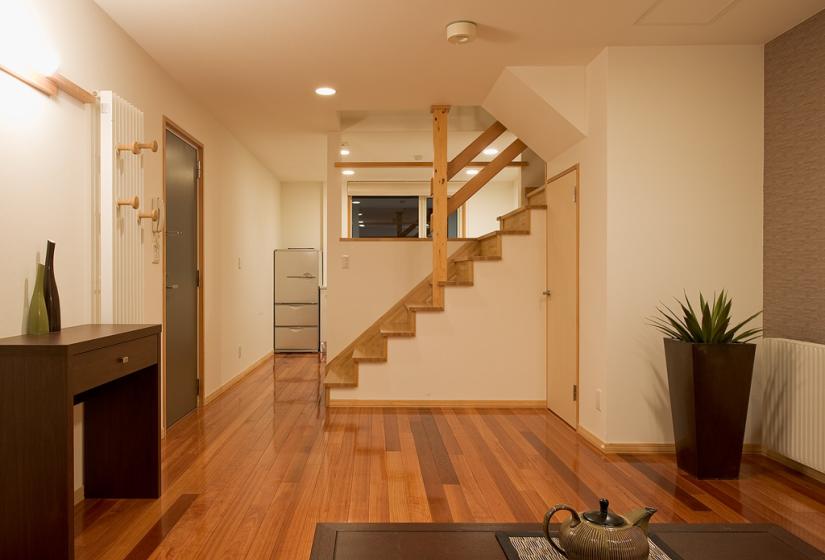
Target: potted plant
(709,371)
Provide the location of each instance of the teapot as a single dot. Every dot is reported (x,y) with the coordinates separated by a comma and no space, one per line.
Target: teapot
(601,535)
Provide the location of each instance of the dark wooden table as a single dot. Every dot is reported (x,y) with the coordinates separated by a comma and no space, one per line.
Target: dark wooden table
(430,541)
(113,370)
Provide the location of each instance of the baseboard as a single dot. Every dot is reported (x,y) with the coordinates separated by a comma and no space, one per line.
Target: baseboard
(232,382)
(79,495)
(643,448)
(793,465)
(359,403)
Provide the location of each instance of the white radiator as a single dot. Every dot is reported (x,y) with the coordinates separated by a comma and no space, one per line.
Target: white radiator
(120,249)
(794,400)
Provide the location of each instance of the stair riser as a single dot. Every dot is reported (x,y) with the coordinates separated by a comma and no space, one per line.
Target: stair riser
(490,247)
(538,198)
(516,222)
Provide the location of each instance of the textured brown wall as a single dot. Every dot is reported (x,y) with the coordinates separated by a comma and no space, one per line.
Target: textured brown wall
(794,233)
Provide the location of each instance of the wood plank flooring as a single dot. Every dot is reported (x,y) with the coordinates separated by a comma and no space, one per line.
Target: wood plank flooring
(250,474)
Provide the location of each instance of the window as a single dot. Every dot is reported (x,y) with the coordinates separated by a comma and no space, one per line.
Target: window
(452,221)
(384,216)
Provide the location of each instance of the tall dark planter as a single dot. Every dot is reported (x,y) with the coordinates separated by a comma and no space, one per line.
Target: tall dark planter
(710,386)
(50,290)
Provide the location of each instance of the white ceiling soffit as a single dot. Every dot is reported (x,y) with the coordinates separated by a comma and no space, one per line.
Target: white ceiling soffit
(255,63)
(537,119)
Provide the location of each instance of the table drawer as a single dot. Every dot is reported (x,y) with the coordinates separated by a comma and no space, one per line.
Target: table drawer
(296,339)
(102,365)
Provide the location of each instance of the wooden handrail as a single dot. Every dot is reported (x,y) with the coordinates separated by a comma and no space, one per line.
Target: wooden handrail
(474,185)
(401,164)
(475,147)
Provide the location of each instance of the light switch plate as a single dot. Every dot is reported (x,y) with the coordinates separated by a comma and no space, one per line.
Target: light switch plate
(345,261)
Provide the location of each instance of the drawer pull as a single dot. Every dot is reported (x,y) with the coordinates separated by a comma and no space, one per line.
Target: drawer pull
(123,359)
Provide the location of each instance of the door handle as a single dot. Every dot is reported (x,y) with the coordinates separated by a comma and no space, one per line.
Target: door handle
(171,286)
(547,292)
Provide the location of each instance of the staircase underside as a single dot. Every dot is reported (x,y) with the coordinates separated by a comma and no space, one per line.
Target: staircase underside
(399,320)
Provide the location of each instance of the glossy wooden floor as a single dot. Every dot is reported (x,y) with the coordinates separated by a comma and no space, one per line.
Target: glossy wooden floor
(250,474)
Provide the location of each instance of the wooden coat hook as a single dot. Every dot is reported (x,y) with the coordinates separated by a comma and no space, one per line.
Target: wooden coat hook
(153,215)
(137,147)
(134,202)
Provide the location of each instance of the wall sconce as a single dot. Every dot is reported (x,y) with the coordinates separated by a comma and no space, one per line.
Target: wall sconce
(27,54)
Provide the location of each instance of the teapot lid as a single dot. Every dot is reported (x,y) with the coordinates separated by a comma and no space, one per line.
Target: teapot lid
(604,516)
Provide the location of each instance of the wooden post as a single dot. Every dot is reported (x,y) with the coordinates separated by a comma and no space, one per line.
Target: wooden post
(439,192)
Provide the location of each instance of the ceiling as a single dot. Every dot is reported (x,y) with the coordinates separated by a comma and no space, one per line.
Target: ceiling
(255,63)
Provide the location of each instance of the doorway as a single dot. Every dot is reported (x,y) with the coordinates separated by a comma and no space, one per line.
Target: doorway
(562,195)
(183,256)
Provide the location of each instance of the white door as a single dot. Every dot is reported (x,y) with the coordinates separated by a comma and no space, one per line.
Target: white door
(562,295)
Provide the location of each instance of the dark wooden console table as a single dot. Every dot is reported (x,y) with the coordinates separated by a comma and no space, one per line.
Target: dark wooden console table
(465,541)
(113,370)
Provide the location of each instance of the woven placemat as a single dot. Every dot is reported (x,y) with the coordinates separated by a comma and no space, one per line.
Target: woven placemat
(534,546)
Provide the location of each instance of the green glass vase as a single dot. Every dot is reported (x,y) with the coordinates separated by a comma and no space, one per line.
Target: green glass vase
(38,316)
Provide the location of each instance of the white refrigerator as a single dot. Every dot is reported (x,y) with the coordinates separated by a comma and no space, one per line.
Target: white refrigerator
(297,310)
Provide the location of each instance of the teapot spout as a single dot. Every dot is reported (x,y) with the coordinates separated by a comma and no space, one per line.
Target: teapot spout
(641,517)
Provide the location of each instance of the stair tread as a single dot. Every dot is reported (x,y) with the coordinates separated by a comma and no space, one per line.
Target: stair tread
(424,307)
(366,356)
(455,283)
(397,331)
(481,258)
(489,235)
(515,232)
(536,192)
(521,209)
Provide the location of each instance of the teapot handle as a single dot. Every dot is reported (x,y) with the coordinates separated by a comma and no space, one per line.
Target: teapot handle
(550,514)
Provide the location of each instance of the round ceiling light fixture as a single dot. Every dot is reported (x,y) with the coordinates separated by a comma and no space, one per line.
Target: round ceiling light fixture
(325,91)
(348,172)
(490,151)
(344,151)
(460,32)
(472,171)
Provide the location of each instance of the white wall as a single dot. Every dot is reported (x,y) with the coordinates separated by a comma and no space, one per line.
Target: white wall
(484,208)
(301,205)
(671,200)
(46,180)
(684,159)
(488,344)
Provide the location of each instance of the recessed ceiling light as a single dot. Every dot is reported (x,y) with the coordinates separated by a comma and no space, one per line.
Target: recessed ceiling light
(347,172)
(356,202)
(325,90)
(360,221)
(361,225)
(472,172)
(490,151)
(344,151)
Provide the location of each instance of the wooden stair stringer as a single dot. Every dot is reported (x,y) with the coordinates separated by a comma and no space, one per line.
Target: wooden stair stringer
(342,370)
(399,320)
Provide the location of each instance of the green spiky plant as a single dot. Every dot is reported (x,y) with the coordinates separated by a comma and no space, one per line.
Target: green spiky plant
(710,328)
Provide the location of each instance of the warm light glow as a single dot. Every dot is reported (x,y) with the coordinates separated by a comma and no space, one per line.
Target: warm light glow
(348,172)
(344,151)
(472,172)
(325,91)
(356,202)
(489,151)
(24,46)
(361,225)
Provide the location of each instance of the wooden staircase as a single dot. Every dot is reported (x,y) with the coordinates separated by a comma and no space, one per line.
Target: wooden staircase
(399,320)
